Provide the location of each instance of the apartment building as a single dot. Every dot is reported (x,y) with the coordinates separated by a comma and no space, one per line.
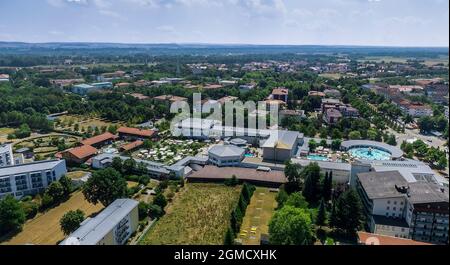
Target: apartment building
(6,155)
(113,226)
(395,207)
(31,178)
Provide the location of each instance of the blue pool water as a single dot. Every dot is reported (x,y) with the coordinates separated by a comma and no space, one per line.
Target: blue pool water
(369,153)
(317,157)
(249,155)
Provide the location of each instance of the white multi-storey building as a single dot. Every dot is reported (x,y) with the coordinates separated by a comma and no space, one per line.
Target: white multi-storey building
(31,178)
(6,155)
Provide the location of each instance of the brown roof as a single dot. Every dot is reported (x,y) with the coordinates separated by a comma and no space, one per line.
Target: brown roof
(135,131)
(375,239)
(132,145)
(99,138)
(82,151)
(280,91)
(170,98)
(139,96)
(217,173)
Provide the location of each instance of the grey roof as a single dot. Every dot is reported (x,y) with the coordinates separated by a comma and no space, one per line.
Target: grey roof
(282,139)
(383,220)
(385,184)
(382,184)
(411,170)
(238,141)
(95,229)
(226,151)
(29,167)
(424,192)
(86,86)
(394,151)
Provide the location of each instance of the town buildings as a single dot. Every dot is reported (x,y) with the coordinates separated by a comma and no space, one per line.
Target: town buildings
(31,178)
(113,226)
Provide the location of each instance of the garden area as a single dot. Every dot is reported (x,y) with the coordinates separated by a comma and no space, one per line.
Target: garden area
(49,145)
(198,215)
(4,132)
(84,124)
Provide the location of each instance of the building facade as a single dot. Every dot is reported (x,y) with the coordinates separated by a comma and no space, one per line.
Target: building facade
(31,178)
(113,226)
(6,155)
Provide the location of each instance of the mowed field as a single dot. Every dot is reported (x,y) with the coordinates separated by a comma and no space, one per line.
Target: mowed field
(4,134)
(44,229)
(258,215)
(198,215)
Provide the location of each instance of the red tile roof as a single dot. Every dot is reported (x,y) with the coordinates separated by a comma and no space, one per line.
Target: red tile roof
(280,91)
(99,138)
(135,131)
(132,145)
(82,151)
(375,239)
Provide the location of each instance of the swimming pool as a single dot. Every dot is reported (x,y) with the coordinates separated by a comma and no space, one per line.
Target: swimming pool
(249,155)
(317,157)
(369,153)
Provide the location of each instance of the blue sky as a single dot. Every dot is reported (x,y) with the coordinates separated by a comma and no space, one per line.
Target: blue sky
(328,22)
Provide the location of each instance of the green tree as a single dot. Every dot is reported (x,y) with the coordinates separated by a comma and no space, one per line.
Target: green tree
(12,215)
(66,184)
(143,209)
(349,212)
(281,198)
(296,200)
(442,163)
(354,135)
(71,221)
(160,200)
(56,191)
(291,226)
(292,173)
(129,166)
(336,144)
(117,164)
(155,211)
(105,186)
(327,186)
(229,237)
(322,214)
(311,189)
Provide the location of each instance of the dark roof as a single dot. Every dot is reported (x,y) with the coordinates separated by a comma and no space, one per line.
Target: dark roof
(390,221)
(218,173)
(382,184)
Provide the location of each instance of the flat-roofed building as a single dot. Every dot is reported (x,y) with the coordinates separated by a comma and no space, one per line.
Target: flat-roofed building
(226,155)
(31,178)
(6,155)
(396,207)
(281,145)
(113,226)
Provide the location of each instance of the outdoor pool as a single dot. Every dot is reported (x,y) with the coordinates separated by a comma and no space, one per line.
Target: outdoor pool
(369,153)
(317,157)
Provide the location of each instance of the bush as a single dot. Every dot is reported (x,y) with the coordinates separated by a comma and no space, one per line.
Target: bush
(155,211)
(143,210)
(30,208)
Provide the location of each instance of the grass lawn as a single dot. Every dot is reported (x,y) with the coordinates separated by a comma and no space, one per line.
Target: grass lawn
(132,184)
(198,215)
(44,229)
(76,174)
(4,134)
(258,215)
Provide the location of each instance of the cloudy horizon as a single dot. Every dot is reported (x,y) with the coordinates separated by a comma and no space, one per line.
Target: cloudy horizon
(405,23)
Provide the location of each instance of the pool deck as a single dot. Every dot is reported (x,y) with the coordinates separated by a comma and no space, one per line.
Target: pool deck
(395,152)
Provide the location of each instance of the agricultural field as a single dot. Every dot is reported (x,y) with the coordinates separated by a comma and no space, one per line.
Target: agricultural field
(198,215)
(387,59)
(44,229)
(48,145)
(257,217)
(69,122)
(334,76)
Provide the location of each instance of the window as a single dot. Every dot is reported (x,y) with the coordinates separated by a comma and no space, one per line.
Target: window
(395,208)
(395,202)
(387,208)
(389,202)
